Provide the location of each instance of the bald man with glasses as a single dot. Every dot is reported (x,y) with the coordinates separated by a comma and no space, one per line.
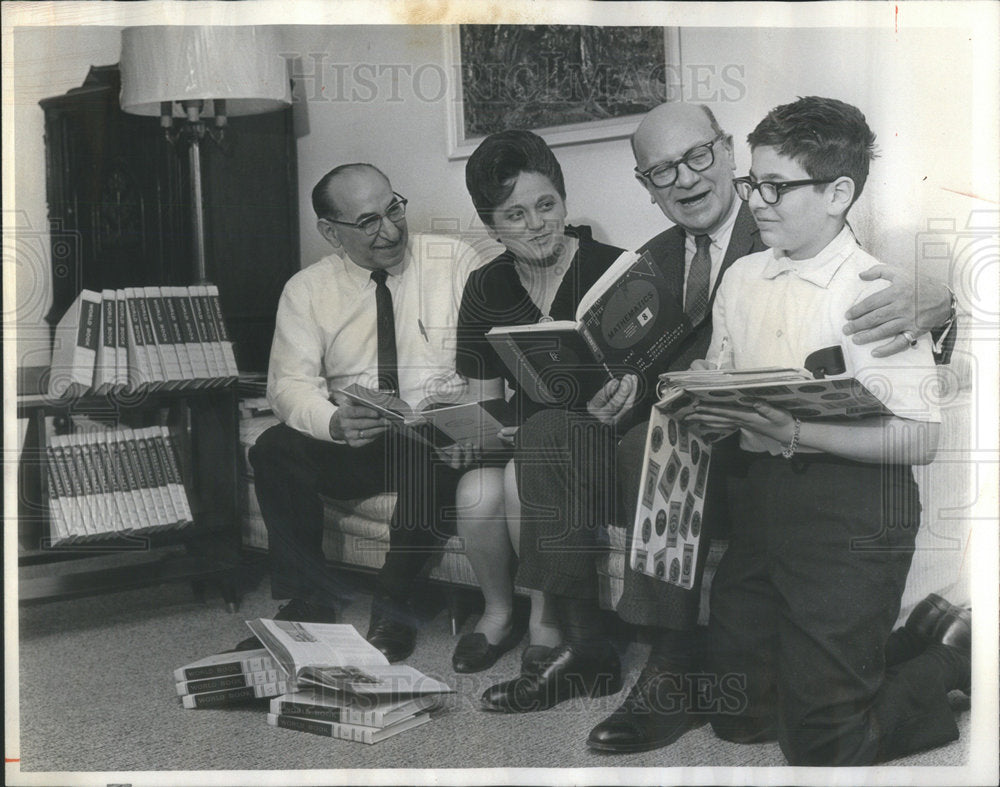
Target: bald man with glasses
(380,311)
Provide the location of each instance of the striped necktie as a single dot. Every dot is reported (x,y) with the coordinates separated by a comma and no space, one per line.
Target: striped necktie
(697,292)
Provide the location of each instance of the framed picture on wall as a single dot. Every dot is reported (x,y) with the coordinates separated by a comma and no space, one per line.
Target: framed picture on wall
(569,83)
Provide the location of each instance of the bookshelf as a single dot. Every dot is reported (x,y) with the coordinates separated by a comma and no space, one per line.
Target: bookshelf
(203,425)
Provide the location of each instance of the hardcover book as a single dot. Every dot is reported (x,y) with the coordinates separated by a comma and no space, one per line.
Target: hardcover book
(438,424)
(336,656)
(347,732)
(628,322)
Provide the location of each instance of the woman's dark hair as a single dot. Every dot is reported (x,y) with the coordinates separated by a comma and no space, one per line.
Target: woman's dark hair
(493,167)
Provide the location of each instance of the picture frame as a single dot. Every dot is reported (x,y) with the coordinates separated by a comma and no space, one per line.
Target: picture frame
(461,144)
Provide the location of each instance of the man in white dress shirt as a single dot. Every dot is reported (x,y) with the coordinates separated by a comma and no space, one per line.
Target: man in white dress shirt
(327,336)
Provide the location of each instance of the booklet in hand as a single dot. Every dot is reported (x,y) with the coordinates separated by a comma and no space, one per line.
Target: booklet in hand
(336,656)
(630,321)
(438,424)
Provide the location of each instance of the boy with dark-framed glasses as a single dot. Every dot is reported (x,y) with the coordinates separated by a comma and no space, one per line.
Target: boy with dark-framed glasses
(825,514)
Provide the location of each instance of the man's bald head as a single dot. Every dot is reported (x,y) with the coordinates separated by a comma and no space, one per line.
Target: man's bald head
(698,201)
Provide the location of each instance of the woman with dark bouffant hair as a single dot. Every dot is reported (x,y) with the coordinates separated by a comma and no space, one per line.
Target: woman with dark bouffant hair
(516,185)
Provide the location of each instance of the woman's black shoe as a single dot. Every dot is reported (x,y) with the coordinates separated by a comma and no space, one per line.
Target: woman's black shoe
(474,653)
(569,671)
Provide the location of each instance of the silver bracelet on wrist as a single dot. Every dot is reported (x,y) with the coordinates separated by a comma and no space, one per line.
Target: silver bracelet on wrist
(789,451)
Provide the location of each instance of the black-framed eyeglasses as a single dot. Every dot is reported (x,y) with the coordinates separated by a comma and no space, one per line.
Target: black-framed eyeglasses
(371,224)
(770,191)
(697,159)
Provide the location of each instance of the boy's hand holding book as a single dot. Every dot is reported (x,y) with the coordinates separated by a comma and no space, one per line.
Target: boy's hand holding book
(759,417)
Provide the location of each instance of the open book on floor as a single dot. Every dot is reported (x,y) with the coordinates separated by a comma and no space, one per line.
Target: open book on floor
(439,424)
(630,320)
(335,656)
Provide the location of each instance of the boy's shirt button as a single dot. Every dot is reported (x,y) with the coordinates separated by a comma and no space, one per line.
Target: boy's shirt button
(779,333)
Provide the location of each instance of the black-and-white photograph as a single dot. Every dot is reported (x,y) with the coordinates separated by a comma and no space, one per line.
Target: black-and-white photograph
(570,393)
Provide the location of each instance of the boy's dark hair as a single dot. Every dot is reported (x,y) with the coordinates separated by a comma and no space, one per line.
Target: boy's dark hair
(322,204)
(499,159)
(829,138)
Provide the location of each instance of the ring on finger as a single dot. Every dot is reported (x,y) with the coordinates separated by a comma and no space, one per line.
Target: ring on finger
(910,338)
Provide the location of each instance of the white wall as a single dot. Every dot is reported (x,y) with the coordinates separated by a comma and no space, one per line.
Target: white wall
(916,88)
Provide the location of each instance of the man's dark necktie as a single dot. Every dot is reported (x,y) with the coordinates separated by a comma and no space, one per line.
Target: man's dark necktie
(697,291)
(388,374)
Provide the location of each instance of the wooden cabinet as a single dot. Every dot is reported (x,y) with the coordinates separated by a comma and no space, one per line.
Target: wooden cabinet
(119,208)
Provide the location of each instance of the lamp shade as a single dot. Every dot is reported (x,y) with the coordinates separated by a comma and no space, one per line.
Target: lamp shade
(178,63)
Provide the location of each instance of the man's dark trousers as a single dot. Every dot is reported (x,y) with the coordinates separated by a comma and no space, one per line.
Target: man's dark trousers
(292,471)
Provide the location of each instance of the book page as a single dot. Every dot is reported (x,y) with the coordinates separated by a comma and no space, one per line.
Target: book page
(296,645)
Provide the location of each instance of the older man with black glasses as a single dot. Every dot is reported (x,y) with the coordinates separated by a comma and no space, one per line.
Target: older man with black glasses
(381,311)
(685,161)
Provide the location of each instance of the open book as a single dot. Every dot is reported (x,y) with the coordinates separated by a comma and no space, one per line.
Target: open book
(440,425)
(795,390)
(336,656)
(629,321)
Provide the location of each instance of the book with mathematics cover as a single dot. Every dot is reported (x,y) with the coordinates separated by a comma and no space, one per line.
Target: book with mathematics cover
(336,656)
(629,321)
(439,424)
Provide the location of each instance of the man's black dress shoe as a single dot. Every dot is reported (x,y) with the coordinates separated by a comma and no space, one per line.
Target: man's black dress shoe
(391,629)
(568,671)
(925,616)
(653,715)
(474,653)
(954,628)
(298,610)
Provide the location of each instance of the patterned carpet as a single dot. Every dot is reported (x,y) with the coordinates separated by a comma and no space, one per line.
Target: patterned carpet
(97,694)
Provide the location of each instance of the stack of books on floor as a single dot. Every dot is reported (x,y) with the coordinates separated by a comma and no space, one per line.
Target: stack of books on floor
(142,338)
(114,482)
(341,686)
(232,678)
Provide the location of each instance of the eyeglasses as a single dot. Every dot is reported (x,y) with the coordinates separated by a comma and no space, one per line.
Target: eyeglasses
(371,224)
(770,191)
(697,159)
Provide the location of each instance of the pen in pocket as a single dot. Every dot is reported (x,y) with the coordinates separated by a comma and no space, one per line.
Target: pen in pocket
(423,331)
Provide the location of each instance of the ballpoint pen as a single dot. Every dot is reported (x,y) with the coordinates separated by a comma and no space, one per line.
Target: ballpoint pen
(423,331)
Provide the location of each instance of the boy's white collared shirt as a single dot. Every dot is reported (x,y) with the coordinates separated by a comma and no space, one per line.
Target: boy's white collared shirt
(774,311)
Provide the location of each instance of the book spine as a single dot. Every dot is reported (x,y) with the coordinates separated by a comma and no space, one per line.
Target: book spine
(206,329)
(148,509)
(91,514)
(102,485)
(156,363)
(258,678)
(190,334)
(175,485)
(178,334)
(303,725)
(119,495)
(215,699)
(220,326)
(130,485)
(58,520)
(121,337)
(72,499)
(140,365)
(588,338)
(104,367)
(162,515)
(305,710)
(74,350)
(222,669)
(149,437)
(163,338)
